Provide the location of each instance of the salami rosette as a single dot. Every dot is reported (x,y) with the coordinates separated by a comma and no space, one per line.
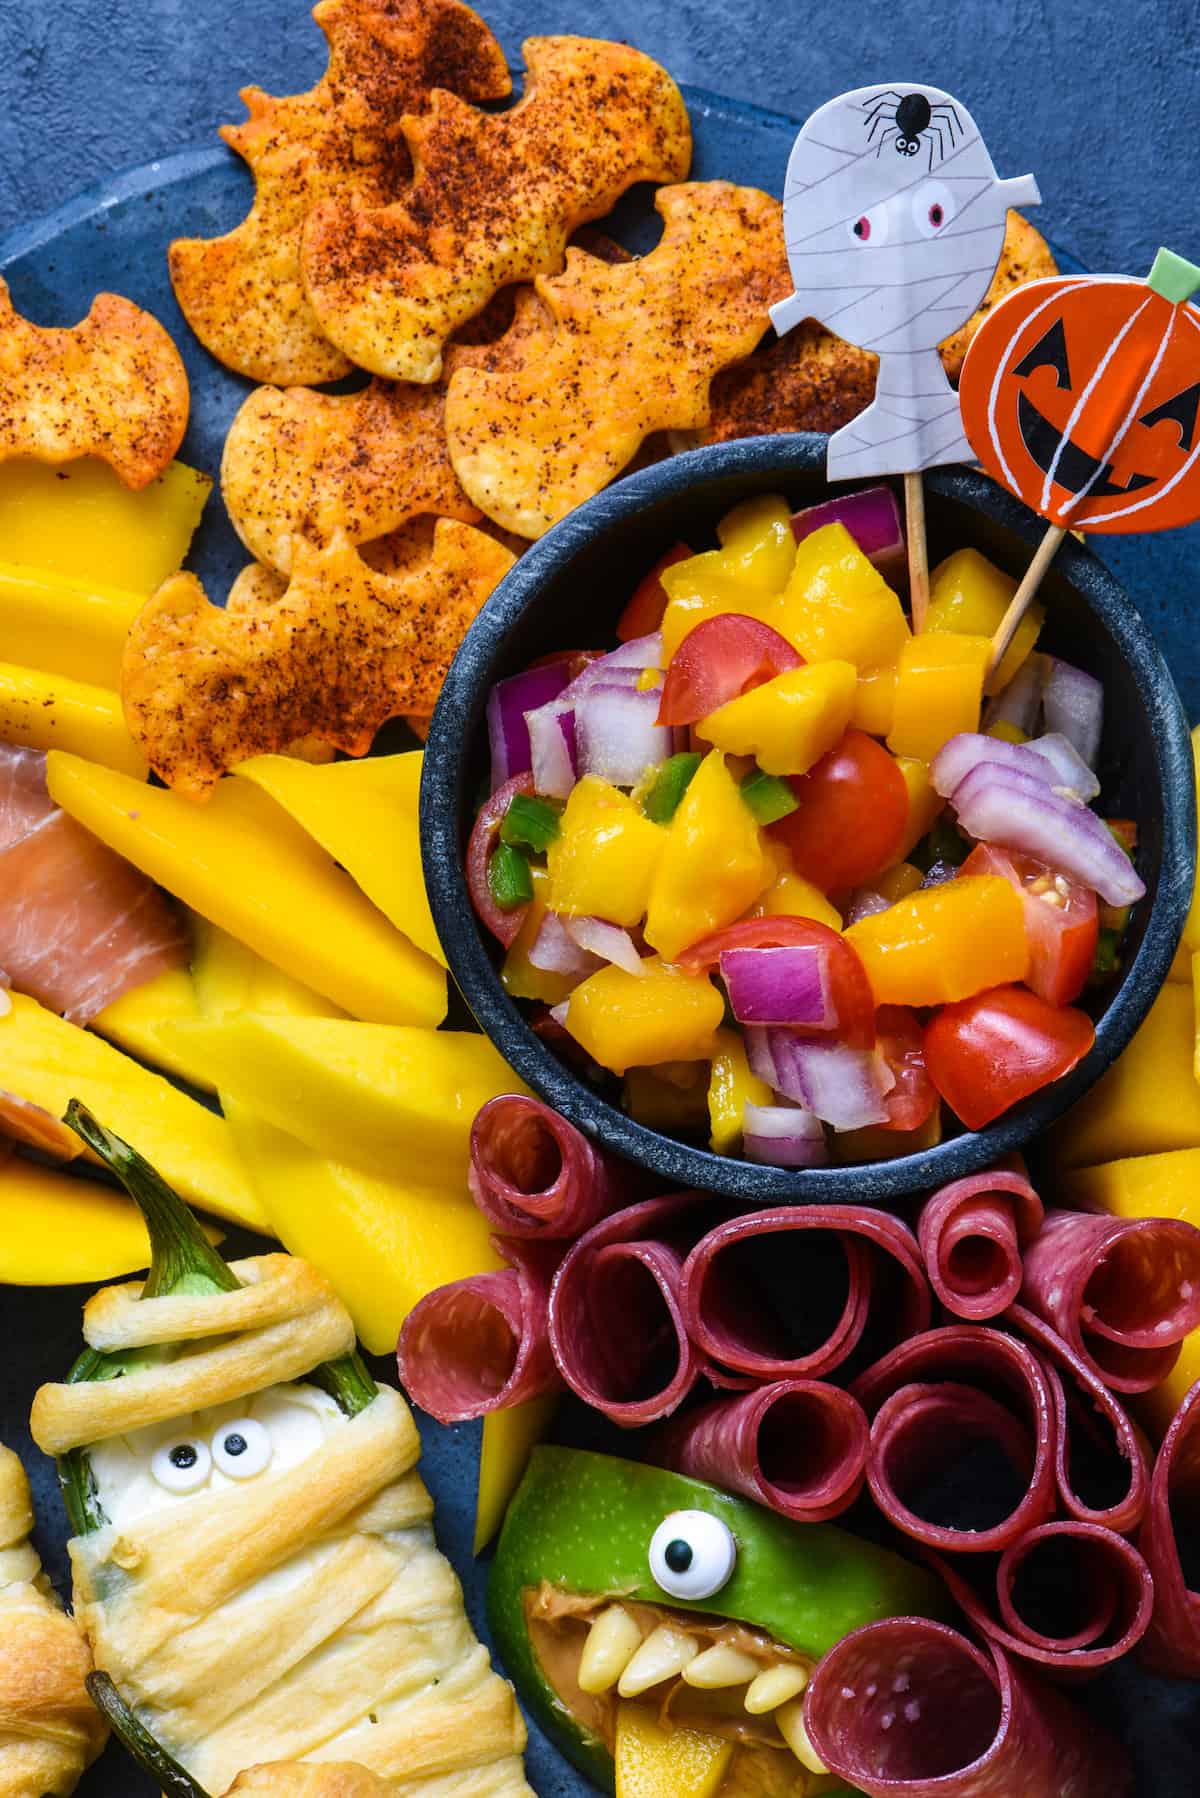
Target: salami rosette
(1172,1643)
(534,1174)
(972,1233)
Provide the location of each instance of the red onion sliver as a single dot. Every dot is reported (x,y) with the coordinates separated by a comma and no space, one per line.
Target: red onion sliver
(798,1447)
(618,734)
(1049,759)
(534,1174)
(481,1344)
(556,950)
(607,942)
(552,750)
(780,986)
(872,518)
(844,1087)
(1003,806)
(783,1136)
(1073,703)
(925,1403)
(617,1329)
(1020,702)
(508,702)
(910,1709)
(731,1314)
(1123,1292)
(1172,1644)
(971,1234)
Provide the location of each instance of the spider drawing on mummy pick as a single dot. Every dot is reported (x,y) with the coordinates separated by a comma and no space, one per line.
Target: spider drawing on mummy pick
(902,120)
(894,255)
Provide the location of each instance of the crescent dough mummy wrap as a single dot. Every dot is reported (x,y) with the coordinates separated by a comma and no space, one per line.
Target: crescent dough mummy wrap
(255,1564)
(894,219)
(49,1728)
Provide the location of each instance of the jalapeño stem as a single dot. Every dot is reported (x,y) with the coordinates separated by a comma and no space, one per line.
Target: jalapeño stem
(139,1743)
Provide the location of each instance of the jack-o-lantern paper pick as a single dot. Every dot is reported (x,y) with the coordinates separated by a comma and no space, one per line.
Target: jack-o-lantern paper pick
(894,219)
(1082,396)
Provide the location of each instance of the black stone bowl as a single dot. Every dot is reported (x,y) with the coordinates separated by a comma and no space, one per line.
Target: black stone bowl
(567,593)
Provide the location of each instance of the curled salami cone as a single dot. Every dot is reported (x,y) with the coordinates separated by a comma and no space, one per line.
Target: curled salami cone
(972,1233)
(534,1174)
(1172,1643)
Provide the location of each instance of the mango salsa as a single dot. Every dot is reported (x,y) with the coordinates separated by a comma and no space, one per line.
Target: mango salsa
(789,722)
(603,862)
(758,544)
(731,1087)
(713,868)
(636,1020)
(944,942)
(838,607)
(969,595)
(939,690)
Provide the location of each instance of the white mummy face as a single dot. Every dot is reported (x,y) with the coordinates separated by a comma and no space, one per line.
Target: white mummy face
(222,1449)
(894,216)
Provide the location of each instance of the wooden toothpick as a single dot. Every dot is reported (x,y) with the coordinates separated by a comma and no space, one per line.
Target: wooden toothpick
(918,554)
(1022,599)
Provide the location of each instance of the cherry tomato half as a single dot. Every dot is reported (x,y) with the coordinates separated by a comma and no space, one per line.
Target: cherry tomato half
(901,1042)
(994,1049)
(851,818)
(505,926)
(644,613)
(849,987)
(1061,920)
(722,658)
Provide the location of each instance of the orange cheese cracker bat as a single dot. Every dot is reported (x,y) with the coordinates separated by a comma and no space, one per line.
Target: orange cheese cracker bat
(343,649)
(494,200)
(113,386)
(242,293)
(635,349)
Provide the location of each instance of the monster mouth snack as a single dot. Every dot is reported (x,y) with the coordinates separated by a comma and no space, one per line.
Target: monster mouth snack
(253,1558)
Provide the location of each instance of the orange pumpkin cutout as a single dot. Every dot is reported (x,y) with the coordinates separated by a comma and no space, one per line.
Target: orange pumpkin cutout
(1081,394)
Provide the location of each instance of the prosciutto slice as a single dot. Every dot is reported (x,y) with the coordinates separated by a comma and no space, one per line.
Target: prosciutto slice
(972,1233)
(482,1344)
(911,1709)
(78,925)
(617,1329)
(798,1446)
(790,1293)
(1172,1643)
(534,1174)
(1101,1462)
(1072,1596)
(1122,1292)
(941,1400)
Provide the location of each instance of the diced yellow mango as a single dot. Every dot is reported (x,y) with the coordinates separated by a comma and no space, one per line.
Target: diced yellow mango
(939,690)
(851,1148)
(382,1096)
(1006,732)
(713,868)
(657,1761)
(758,543)
(637,1020)
(240,861)
(79,520)
(603,861)
(509,1438)
(62,626)
(944,942)
(50,1062)
(1148,1100)
(703,587)
(838,607)
(731,1087)
(970,595)
(875,701)
(60,1230)
(51,711)
(518,976)
(898,882)
(789,722)
(365,814)
(791,896)
(381,1242)
(133,1023)
(924,803)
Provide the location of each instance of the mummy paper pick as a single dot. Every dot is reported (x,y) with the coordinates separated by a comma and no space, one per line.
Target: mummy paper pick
(894,220)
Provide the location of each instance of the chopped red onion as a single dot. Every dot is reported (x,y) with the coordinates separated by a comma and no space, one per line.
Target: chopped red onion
(608,941)
(556,950)
(552,749)
(639,653)
(618,734)
(872,518)
(1073,703)
(1020,702)
(865,904)
(1003,806)
(783,1136)
(507,705)
(844,1087)
(780,986)
(1050,758)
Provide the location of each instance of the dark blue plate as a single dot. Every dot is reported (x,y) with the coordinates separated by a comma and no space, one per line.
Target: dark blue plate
(115,236)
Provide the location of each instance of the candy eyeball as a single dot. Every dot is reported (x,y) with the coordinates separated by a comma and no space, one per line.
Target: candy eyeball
(932,207)
(692,1554)
(242,1449)
(182,1465)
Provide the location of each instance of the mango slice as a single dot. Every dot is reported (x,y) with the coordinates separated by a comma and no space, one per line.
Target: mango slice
(64,626)
(1148,1101)
(51,711)
(60,1230)
(132,1023)
(653,1762)
(382,1243)
(390,1098)
(509,1438)
(240,861)
(365,814)
(51,1062)
(79,520)
(229,977)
